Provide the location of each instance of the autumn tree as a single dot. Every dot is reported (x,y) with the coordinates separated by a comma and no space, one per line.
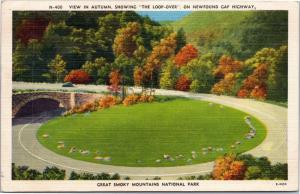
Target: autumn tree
(138,76)
(269,75)
(187,53)
(78,76)
(32,28)
(183,83)
(255,85)
(115,81)
(126,41)
(160,53)
(226,86)
(57,68)
(227,65)
(229,168)
(227,72)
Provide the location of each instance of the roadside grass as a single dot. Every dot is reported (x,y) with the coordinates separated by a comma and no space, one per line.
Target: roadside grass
(141,134)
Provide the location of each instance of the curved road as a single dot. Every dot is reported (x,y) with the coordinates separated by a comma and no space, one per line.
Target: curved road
(28,151)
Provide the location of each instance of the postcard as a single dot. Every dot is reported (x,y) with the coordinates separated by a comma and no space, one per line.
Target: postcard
(149,95)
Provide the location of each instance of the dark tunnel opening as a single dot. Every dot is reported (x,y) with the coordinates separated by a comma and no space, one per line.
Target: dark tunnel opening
(38,106)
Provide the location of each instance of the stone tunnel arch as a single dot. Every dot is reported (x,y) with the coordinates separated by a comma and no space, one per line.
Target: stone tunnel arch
(66,99)
(27,99)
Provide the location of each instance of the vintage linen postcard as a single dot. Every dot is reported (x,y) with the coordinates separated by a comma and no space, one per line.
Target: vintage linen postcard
(149,95)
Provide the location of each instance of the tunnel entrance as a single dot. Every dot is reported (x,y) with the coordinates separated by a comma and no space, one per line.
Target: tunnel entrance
(38,106)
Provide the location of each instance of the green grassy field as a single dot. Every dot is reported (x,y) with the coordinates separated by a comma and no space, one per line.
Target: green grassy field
(141,134)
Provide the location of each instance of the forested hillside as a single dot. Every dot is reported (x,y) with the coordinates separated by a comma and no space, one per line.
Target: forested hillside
(225,53)
(237,33)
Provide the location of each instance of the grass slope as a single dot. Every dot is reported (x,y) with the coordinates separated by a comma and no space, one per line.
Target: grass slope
(140,134)
(219,21)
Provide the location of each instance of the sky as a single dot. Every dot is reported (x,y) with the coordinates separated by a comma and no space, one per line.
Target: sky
(164,15)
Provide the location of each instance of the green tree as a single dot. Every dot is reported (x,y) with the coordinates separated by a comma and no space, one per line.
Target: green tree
(28,64)
(105,35)
(57,68)
(168,75)
(200,70)
(20,67)
(93,68)
(195,86)
(126,67)
(278,76)
(180,40)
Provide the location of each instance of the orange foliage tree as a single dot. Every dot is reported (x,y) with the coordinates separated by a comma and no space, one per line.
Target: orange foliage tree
(226,71)
(225,86)
(183,83)
(126,40)
(78,76)
(138,76)
(255,84)
(161,52)
(229,168)
(187,53)
(114,80)
(227,65)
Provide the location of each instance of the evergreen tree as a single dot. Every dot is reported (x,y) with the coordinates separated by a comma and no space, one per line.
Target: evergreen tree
(180,39)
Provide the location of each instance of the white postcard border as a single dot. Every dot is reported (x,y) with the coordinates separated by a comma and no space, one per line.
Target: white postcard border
(6,92)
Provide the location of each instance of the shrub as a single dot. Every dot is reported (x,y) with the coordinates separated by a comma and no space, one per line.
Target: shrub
(53,173)
(89,176)
(131,99)
(90,106)
(243,93)
(279,171)
(78,76)
(146,98)
(229,168)
(183,83)
(25,173)
(253,173)
(108,101)
(259,92)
